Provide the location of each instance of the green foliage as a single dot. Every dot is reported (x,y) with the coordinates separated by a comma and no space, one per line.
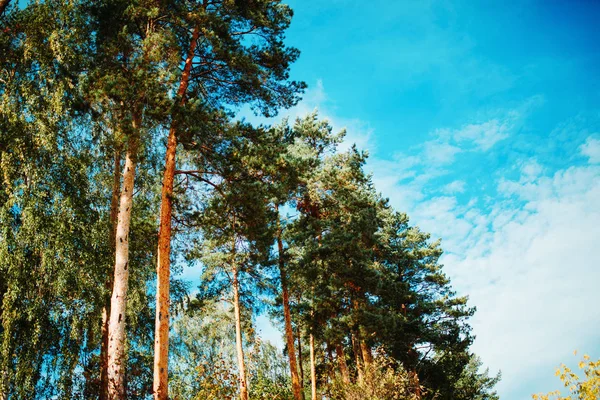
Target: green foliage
(74,76)
(204,358)
(268,373)
(203,353)
(385,379)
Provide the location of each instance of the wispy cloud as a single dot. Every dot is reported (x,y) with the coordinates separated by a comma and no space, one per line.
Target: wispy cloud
(523,251)
(532,272)
(315,98)
(591,149)
(454,187)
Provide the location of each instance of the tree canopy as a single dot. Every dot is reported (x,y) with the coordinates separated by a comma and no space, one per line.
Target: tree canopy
(123,163)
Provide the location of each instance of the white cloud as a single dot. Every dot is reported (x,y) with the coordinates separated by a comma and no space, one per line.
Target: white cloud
(438,152)
(481,137)
(591,149)
(454,187)
(315,98)
(484,135)
(530,269)
(526,257)
(535,281)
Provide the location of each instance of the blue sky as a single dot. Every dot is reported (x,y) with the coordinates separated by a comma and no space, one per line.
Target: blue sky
(482,120)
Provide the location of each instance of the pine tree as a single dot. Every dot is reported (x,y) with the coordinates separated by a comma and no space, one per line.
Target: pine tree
(236,55)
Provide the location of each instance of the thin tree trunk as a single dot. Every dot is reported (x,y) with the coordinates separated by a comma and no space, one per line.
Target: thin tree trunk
(341,359)
(414,377)
(300,366)
(313,369)
(365,350)
(114,211)
(163,265)
(238,337)
(366,353)
(118,302)
(357,356)
(289,333)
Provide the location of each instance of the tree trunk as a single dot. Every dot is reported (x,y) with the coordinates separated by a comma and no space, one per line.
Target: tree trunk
(313,369)
(341,359)
(289,333)
(163,265)
(118,302)
(357,356)
(415,384)
(300,366)
(366,354)
(238,336)
(114,211)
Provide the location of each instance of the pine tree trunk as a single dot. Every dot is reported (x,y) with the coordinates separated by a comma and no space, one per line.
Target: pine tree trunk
(300,366)
(357,356)
(414,377)
(341,359)
(114,211)
(238,336)
(163,265)
(118,302)
(289,333)
(366,354)
(313,369)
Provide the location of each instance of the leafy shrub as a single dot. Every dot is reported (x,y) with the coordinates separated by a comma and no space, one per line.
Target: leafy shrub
(384,379)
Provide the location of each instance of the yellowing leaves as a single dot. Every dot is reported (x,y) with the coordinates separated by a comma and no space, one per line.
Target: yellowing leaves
(586,389)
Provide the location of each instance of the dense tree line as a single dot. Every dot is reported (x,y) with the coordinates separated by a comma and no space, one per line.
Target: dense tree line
(121,161)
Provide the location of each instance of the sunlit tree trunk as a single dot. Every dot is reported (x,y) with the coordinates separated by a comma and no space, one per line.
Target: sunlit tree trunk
(415,384)
(238,336)
(114,211)
(366,353)
(118,303)
(300,365)
(343,366)
(357,356)
(289,333)
(163,265)
(313,369)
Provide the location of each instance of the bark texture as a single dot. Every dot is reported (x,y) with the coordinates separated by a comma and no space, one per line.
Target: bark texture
(357,356)
(118,302)
(366,354)
(163,265)
(342,365)
(289,333)
(313,369)
(238,336)
(300,365)
(114,212)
